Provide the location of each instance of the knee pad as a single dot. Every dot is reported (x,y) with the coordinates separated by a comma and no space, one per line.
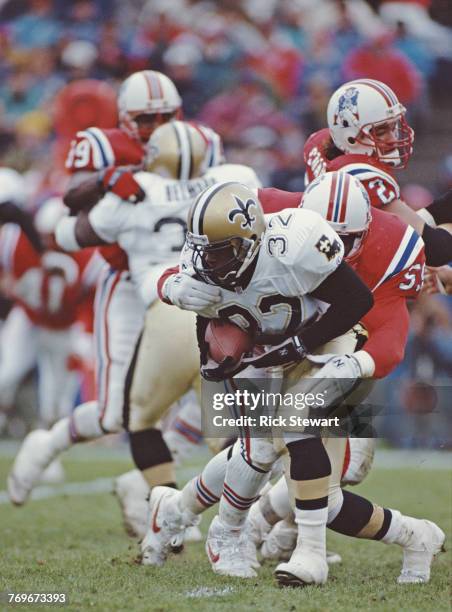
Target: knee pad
(308,459)
(149,448)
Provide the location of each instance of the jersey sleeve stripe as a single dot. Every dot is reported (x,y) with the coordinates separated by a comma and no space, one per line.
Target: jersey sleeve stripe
(364,173)
(104,147)
(405,255)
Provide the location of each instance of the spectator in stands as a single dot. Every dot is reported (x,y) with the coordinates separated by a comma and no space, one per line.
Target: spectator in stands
(378,59)
(414,14)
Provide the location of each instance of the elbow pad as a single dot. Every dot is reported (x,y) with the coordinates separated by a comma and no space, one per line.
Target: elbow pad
(438,246)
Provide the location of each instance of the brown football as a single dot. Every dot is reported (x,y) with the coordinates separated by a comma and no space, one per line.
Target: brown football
(227,340)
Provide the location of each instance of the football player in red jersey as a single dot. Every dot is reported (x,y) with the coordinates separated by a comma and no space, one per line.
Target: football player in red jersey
(101,161)
(368,136)
(48,290)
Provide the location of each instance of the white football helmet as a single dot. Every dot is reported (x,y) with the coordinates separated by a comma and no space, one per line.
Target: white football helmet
(341,199)
(147,92)
(365,117)
(12,187)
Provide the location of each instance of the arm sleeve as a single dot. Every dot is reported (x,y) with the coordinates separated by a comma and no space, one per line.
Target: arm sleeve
(109,217)
(441,208)
(349,299)
(274,200)
(438,246)
(387,324)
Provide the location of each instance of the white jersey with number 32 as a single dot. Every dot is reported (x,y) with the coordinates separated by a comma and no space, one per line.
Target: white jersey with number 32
(299,251)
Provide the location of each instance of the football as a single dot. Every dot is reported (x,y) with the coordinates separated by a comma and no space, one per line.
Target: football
(227,340)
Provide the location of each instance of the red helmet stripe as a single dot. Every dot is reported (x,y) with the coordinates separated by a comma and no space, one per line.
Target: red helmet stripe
(154,85)
(390,101)
(329,214)
(343,204)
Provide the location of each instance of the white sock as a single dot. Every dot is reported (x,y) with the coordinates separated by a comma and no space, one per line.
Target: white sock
(241,486)
(312,529)
(204,491)
(60,435)
(397,532)
(279,498)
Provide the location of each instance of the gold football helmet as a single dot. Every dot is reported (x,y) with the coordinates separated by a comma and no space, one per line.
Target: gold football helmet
(225,228)
(177,150)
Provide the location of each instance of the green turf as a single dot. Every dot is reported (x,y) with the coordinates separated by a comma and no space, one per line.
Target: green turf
(76,544)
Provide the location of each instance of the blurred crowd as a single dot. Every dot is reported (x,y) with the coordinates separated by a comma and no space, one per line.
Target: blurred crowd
(259,73)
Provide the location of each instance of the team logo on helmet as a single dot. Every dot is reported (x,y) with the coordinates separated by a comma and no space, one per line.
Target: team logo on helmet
(347,107)
(243,210)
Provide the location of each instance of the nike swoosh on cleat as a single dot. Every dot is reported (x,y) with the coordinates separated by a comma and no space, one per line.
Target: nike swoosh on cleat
(155,527)
(214,558)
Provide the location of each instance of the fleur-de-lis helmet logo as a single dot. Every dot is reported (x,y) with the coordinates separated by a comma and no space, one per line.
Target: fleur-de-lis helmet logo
(243,210)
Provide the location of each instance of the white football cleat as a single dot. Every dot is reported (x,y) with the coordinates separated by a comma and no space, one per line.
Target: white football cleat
(33,457)
(132,492)
(304,567)
(193,534)
(166,526)
(227,550)
(333,557)
(425,540)
(280,542)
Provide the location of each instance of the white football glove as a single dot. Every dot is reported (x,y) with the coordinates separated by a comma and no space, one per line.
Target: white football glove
(190,294)
(336,366)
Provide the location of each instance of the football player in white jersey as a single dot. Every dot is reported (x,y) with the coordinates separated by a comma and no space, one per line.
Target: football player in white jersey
(272,276)
(150,233)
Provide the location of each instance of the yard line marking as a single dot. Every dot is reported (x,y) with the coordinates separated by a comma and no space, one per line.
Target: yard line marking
(210,592)
(89,487)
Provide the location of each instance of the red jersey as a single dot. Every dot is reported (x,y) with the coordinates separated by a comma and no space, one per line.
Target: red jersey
(52,287)
(376,178)
(391,263)
(94,149)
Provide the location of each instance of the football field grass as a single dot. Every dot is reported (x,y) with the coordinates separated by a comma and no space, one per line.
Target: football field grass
(74,543)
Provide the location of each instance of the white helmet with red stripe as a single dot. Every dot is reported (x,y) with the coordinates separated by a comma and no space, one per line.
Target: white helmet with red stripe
(147,92)
(341,199)
(365,117)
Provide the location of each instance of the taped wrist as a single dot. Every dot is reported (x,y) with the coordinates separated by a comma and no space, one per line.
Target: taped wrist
(441,208)
(438,246)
